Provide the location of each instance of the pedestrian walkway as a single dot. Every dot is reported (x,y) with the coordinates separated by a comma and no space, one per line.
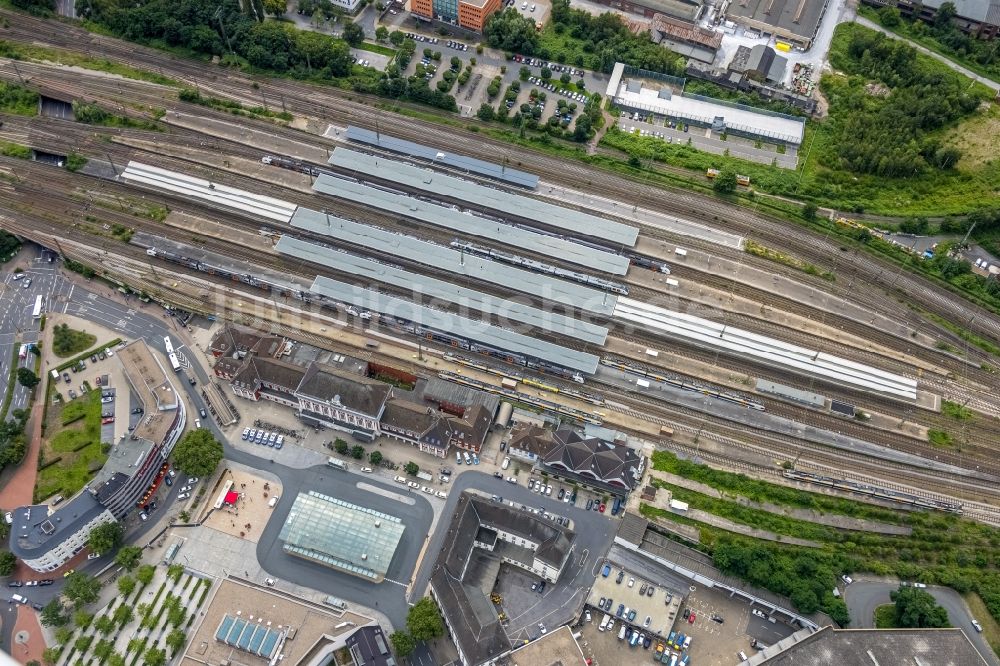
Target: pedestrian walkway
(861,20)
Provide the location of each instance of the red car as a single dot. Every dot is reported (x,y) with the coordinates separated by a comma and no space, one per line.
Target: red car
(108,420)
(601,508)
(691,618)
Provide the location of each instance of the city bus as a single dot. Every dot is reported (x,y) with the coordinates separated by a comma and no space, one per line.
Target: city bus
(174,363)
(37,312)
(336,462)
(168,344)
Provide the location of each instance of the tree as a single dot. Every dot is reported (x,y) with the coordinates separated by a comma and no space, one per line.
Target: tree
(115,660)
(510,31)
(357,452)
(341,447)
(82,644)
(106,537)
(145,574)
(565,78)
(809,211)
(154,657)
(354,34)
(51,654)
(397,38)
(175,571)
(105,625)
(7,562)
(82,619)
(381,33)
(275,7)
(53,615)
(582,130)
(123,615)
(81,588)
(725,182)
(546,73)
(424,620)
(129,557)
(581,85)
(485,112)
(402,643)
(27,378)
(411,468)
(175,640)
(375,457)
(524,73)
(198,453)
(917,609)
(945,13)
(889,17)
(103,650)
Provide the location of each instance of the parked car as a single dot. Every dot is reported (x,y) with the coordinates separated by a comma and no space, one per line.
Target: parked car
(182,496)
(46,581)
(66,377)
(167,480)
(505,464)
(15,583)
(413,484)
(621,576)
(93,358)
(606,570)
(590,504)
(601,508)
(192,480)
(691,618)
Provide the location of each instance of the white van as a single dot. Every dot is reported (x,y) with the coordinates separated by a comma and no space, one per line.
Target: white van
(741,655)
(274,500)
(621,632)
(197,423)
(18,598)
(458,458)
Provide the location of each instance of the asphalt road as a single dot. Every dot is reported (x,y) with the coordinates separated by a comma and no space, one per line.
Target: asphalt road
(862,597)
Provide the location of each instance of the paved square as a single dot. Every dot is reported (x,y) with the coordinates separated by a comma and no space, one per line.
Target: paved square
(247,518)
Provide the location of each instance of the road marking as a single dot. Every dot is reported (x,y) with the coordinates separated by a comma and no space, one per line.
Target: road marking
(396,582)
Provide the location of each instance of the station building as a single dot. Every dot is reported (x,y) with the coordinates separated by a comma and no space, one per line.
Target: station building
(345,398)
(46,539)
(589,461)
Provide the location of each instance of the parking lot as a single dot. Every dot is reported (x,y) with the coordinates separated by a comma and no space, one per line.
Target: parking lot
(650,608)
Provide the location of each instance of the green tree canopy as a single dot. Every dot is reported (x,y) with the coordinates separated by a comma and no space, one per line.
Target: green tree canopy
(424,620)
(198,453)
(725,182)
(485,112)
(145,574)
(53,614)
(510,31)
(411,468)
(354,34)
(81,588)
(106,537)
(27,378)
(7,562)
(129,557)
(402,643)
(154,657)
(396,38)
(917,609)
(375,457)
(175,640)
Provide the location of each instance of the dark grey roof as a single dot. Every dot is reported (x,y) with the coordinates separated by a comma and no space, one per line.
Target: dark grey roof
(473,268)
(474,225)
(433,155)
(470,329)
(533,439)
(984,11)
(553,541)
(34,532)
(473,425)
(508,312)
(270,371)
(369,646)
(798,17)
(594,459)
(529,208)
(480,641)
(417,421)
(885,647)
(110,488)
(324,382)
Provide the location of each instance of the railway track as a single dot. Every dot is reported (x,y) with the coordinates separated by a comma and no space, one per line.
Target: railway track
(318,102)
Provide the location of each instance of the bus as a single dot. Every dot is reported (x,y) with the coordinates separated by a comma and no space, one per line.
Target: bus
(37,312)
(336,462)
(174,363)
(168,344)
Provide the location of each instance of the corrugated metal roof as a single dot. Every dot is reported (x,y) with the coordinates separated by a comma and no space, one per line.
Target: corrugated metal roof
(454,324)
(470,266)
(449,218)
(508,312)
(524,207)
(470,164)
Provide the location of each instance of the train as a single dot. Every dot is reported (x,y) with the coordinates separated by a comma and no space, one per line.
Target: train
(530,381)
(626,366)
(207,267)
(523,398)
(540,267)
(875,491)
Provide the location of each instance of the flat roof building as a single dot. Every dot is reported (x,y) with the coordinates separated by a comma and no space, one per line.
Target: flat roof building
(46,541)
(508,313)
(466,264)
(466,223)
(885,647)
(795,21)
(432,155)
(489,198)
(642,91)
(979,18)
(483,336)
(354,539)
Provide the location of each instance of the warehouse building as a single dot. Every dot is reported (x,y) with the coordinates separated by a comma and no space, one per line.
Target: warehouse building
(978,18)
(795,21)
(760,63)
(688,40)
(650,92)
(689,11)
